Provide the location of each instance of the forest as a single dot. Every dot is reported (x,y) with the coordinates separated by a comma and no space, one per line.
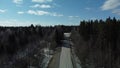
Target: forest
(96,43)
(21,47)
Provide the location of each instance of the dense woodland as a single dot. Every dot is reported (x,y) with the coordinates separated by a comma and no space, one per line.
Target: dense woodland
(21,47)
(97,43)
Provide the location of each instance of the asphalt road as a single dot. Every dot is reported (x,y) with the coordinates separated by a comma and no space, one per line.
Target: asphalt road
(65,58)
(62,59)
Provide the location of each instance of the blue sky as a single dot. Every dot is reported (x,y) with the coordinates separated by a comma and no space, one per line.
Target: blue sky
(55,12)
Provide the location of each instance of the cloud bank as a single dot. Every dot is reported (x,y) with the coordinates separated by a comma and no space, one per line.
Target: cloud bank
(41,6)
(40,13)
(18,1)
(42,1)
(2,10)
(113,5)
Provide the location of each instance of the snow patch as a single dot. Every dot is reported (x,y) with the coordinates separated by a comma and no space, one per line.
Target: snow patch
(47,53)
(75,59)
(67,34)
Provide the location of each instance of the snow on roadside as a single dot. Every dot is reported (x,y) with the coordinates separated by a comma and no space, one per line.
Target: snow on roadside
(75,59)
(47,53)
(67,34)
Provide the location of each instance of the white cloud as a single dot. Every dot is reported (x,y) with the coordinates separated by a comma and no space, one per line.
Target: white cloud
(32,12)
(41,6)
(70,16)
(73,16)
(20,12)
(18,1)
(116,11)
(55,14)
(74,19)
(42,1)
(93,18)
(40,13)
(14,22)
(88,8)
(110,4)
(2,10)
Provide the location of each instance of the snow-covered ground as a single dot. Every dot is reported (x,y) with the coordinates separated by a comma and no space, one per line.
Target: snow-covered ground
(67,34)
(75,59)
(47,53)
(33,52)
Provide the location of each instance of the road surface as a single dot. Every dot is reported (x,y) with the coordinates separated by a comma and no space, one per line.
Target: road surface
(62,58)
(65,57)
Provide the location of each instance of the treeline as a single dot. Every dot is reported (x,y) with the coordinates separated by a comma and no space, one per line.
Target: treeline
(60,30)
(21,47)
(14,38)
(98,43)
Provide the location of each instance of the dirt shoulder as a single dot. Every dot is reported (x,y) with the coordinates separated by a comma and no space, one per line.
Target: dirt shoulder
(54,62)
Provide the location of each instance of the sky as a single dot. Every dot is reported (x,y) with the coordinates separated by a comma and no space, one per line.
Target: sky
(55,12)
